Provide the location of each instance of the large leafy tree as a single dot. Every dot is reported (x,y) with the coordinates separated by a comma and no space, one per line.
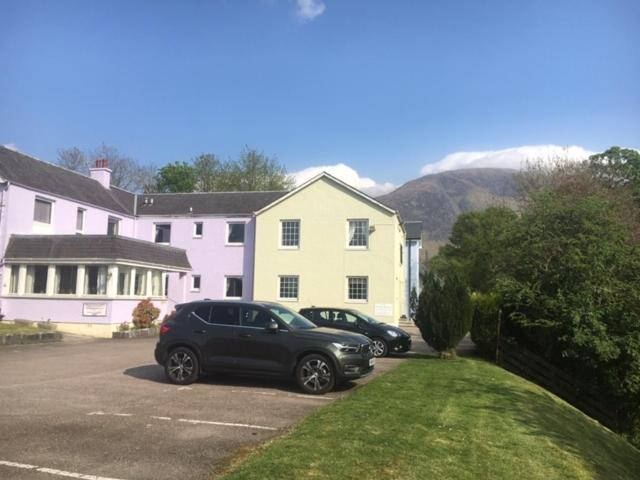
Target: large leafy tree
(253,170)
(618,167)
(475,247)
(176,177)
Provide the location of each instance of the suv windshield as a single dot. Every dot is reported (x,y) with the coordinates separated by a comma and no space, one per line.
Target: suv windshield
(291,318)
(364,317)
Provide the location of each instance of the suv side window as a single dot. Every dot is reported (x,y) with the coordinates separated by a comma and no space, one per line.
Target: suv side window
(225,314)
(255,317)
(327,316)
(203,312)
(308,314)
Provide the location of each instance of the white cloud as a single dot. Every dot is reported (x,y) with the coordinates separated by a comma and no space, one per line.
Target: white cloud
(309,9)
(347,175)
(515,158)
(11,146)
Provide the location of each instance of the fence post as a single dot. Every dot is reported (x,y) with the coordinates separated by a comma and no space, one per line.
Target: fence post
(498,336)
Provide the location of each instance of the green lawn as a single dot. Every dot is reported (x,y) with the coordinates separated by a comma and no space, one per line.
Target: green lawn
(445,419)
(10,329)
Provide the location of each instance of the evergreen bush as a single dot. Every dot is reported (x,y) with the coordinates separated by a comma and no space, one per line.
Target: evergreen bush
(444,313)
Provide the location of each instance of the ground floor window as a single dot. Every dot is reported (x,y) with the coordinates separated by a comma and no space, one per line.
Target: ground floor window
(156,283)
(14,278)
(234,287)
(124,281)
(357,288)
(289,287)
(36,281)
(66,279)
(140,283)
(95,280)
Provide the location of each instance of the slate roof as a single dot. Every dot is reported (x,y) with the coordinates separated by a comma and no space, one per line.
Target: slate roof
(29,172)
(414,230)
(94,247)
(214,203)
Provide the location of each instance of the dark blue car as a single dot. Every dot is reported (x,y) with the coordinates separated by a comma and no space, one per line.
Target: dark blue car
(385,338)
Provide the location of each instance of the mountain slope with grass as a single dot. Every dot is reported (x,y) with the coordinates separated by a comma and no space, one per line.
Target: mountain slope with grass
(438,199)
(453,419)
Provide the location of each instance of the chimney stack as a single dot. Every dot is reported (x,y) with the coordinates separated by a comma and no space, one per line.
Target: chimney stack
(101,172)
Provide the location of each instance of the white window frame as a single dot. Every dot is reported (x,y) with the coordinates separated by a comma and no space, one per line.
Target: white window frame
(83,212)
(358,247)
(236,277)
(347,292)
(288,299)
(244,236)
(155,232)
(290,247)
(115,220)
(195,227)
(192,287)
(51,203)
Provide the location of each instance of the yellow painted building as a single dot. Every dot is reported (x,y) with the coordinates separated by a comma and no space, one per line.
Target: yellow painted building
(327,244)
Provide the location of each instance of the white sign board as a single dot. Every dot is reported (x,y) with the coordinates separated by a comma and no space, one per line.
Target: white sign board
(94,309)
(383,310)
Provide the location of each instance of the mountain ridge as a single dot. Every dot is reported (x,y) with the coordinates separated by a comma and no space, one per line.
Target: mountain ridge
(437,199)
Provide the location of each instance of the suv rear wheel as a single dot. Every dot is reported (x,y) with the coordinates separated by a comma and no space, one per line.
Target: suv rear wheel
(182,367)
(315,374)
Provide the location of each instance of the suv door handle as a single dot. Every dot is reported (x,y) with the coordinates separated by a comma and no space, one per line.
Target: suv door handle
(245,335)
(199,331)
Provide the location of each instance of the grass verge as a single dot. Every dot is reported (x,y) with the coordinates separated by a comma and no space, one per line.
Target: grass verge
(17,329)
(456,419)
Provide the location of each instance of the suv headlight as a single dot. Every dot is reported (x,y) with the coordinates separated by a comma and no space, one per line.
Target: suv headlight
(393,333)
(346,347)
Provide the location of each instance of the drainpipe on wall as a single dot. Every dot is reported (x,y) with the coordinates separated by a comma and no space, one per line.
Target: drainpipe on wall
(4,188)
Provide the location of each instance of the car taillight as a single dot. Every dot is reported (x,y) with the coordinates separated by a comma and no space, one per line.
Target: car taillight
(164,329)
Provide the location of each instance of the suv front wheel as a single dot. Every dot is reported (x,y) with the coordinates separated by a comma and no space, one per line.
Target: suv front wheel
(182,367)
(315,374)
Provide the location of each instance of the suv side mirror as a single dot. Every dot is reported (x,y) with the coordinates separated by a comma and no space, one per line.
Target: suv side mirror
(272,326)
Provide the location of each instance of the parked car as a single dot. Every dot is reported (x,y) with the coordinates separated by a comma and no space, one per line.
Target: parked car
(259,338)
(385,338)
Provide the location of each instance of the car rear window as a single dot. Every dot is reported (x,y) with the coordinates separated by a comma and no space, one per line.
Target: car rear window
(203,312)
(225,315)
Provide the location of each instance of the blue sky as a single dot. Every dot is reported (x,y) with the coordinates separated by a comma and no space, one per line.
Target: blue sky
(383,87)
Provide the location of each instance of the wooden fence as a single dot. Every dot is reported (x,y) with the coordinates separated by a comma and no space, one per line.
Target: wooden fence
(521,361)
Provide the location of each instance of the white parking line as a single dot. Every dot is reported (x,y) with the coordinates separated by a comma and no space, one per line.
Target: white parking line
(271,394)
(53,471)
(243,425)
(186,420)
(289,395)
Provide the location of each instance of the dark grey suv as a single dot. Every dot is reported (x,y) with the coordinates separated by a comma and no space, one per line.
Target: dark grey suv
(260,338)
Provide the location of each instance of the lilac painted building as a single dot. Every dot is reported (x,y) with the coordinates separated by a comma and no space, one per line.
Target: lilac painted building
(80,253)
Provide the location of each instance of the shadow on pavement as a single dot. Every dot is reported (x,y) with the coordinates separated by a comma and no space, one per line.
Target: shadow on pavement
(155,373)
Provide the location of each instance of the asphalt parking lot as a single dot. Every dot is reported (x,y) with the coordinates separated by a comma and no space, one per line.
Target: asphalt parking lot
(101,409)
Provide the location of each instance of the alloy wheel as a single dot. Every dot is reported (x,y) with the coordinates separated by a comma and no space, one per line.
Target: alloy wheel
(378,348)
(180,366)
(316,374)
